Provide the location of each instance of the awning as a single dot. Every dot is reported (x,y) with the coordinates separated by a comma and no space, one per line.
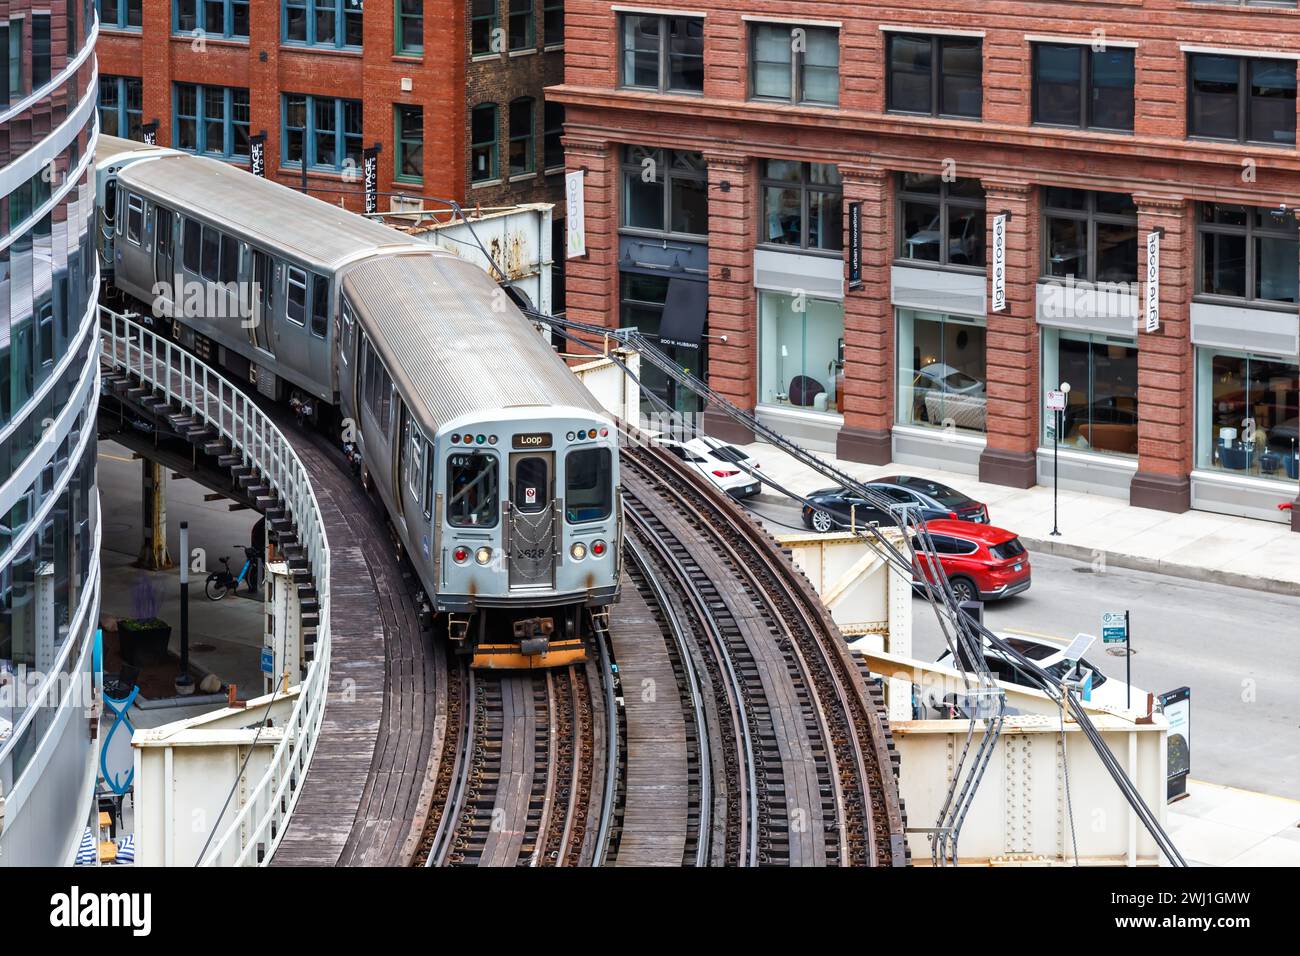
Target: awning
(686,309)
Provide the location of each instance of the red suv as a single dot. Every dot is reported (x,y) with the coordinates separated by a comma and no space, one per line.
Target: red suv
(982,562)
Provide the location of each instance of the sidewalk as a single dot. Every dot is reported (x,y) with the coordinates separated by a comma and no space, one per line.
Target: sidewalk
(1224,826)
(1243,552)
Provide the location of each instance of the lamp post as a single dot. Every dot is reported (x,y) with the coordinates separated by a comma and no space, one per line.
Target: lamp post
(1056,456)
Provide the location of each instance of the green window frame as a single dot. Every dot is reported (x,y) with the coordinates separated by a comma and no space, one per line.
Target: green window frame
(408,32)
(483,23)
(485,164)
(408,133)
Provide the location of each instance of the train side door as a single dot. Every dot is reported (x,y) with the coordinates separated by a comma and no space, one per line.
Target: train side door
(164,255)
(259,299)
(532,520)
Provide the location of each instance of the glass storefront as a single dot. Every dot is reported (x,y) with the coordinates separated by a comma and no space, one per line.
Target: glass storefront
(941,370)
(1246,413)
(1101,411)
(801,351)
(642,306)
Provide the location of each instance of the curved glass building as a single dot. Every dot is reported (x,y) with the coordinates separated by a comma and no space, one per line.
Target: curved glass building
(49,527)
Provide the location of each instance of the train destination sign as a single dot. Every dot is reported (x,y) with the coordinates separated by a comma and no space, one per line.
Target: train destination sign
(533,440)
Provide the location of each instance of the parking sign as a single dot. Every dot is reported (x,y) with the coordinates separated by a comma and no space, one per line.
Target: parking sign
(1114,627)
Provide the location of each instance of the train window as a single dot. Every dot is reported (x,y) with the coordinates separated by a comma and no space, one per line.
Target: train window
(320,305)
(191,253)
(295,308)
(110,201)
(416,460)
(210,254)
(134,217)
(588,484)
(472,490)
(428,481)
(229,259)
(532,484)
(345,343)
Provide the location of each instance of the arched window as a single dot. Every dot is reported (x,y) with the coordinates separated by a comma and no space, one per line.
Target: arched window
(484,162)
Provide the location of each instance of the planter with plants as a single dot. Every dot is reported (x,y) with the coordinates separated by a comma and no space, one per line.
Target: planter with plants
(145,636)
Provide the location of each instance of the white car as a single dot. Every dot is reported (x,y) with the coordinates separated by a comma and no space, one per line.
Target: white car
(718,470)
(1049,655)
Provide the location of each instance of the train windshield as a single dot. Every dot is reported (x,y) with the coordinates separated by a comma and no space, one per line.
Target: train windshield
(472,490)
(588,484)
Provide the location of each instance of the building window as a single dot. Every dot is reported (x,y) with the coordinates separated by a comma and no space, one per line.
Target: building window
(1075,85)
(1246,410)
(801,351)
(40,50)
(483,143)
(211,119)
(941,371)
(795,64)
(520,25)
(120,14)
(335,23)
(121,106)
(941,222)
(410,27)
(521,137)
(663,53)
(408,130)
(665,190)
(1248,253)
(1101,412)
(553,22)
(552,147)
(935,75)
(483,27)
(802,205)
(1241,100)
(217,18)
(1089,235)
(327,129)
(642,300)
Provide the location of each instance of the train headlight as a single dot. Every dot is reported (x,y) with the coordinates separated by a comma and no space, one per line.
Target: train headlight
(598,548)
(460,555)
(483,555)
(578,551)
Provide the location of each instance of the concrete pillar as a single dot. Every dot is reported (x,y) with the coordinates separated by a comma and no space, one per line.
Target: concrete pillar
(1010,455)
(591,281)
(153,500)
(733,306)
(869,365)
(1166,406)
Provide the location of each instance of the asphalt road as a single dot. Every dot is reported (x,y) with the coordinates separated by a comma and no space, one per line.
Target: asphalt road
(1238,650)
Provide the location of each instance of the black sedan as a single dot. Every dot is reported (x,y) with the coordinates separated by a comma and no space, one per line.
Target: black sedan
(831,509)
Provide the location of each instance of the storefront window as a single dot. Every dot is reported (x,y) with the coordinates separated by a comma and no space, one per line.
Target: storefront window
(642,307)
(1246,408)
(941,370)
(802,351)
(1101,412)
(801,205)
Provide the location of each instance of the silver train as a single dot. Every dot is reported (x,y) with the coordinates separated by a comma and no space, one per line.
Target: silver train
(498,469)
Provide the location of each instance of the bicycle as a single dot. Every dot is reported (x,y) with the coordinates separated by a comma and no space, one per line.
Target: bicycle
(221,583)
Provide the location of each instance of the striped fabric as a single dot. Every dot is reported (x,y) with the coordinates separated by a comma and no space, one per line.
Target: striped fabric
(126,849)
(87,853)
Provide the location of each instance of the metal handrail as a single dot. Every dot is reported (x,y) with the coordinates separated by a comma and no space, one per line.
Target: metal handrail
(252,835)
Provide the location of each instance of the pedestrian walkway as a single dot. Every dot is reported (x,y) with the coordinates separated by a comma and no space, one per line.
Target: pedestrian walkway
(1224,826)
(1096,528)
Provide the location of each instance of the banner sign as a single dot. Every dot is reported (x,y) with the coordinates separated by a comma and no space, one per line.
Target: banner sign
(1000,263)
(855,245)
(575,215)
(257,154)
(150,131)
(1153,282)
(370,174)
(1177,708)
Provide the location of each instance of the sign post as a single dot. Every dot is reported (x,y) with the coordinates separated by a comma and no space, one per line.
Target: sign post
(1115,630)
(1056,404)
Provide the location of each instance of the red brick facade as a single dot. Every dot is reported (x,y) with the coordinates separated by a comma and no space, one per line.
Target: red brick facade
(446,81)
(1166,172)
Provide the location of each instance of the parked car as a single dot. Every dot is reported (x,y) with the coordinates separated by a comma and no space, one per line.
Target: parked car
(831,509)
(981,562)
(721,472)
(720,450)
(1048,655)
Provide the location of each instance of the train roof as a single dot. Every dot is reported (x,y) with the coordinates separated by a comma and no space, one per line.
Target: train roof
(260,209)
(106,146)
(442,324)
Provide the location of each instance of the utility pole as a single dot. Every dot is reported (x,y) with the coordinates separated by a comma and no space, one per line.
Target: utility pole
(1056,401)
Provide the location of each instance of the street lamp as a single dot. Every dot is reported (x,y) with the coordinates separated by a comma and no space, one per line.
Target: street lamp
(1056,454)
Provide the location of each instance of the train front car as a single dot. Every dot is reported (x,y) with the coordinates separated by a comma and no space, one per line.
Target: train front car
(527,533)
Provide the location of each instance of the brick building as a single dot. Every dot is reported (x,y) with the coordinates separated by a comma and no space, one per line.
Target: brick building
(728,145)
(451,90)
